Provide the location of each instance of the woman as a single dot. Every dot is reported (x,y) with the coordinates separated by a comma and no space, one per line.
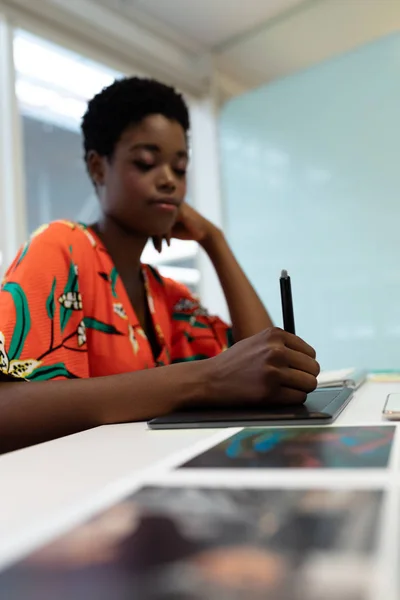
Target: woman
(78,308)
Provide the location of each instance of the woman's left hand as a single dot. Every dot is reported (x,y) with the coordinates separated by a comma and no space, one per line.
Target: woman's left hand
(189,225)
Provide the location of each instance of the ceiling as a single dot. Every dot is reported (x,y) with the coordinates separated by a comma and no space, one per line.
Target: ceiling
(210,22)
(319,31)
(256,41)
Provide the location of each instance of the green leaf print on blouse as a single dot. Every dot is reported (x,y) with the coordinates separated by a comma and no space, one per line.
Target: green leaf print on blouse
(22,321)
(23,253)
(9,362)
(50,303)
(189,319)
(71,299)
(113,280)
(51,372)
(91,323)
(189,310)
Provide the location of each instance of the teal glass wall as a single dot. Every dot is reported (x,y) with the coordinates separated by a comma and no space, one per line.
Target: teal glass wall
(311,184)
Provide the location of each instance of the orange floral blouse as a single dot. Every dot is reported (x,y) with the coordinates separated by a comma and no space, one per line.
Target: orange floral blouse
(65,313)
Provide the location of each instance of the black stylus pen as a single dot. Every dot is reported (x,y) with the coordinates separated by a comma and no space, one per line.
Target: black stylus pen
(287,303)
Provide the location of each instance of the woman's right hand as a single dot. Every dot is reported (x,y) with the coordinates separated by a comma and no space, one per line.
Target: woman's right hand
(273,367)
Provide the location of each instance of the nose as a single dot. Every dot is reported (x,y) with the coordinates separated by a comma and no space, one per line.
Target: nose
(166,180)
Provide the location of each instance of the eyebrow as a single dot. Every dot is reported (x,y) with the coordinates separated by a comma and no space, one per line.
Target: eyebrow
(155,148)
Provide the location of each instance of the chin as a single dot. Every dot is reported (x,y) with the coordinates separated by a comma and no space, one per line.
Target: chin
(160,228)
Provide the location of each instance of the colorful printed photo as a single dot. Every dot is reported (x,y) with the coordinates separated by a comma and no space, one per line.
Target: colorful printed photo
(212,544)
(303,447)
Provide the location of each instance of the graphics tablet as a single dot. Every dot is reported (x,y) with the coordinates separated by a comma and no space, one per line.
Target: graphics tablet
(321,407)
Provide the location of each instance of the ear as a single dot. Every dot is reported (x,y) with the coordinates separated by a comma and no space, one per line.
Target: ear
(95,166)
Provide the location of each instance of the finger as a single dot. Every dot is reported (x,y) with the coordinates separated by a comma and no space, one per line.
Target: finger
(298,380)
(296,343)
(157,244)
(302,362)
(168,239)
(279,356)
(291,397)
(286,397)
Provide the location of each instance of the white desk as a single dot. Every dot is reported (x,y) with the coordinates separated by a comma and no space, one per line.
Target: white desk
(46,488)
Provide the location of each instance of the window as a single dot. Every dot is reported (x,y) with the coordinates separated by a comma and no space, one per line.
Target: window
(53,86)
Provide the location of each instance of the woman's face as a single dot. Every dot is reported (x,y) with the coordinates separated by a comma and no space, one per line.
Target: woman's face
(143,185)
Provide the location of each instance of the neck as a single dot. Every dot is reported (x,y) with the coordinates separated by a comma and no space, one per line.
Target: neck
(124,247)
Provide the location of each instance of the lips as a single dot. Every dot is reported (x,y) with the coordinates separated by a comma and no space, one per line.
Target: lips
(166,202)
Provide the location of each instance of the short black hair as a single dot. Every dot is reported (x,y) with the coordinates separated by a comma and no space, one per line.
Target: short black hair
(124,103)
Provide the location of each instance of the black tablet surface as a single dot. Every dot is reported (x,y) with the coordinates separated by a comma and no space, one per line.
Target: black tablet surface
(321,407)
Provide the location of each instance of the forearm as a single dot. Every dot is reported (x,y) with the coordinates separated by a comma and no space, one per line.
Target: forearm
(247,312)
(36,412)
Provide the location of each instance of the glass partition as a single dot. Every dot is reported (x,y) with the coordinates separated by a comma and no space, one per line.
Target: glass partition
(311,182)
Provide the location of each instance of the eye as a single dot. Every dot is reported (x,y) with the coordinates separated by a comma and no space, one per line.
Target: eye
(180,172)
(143,166)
